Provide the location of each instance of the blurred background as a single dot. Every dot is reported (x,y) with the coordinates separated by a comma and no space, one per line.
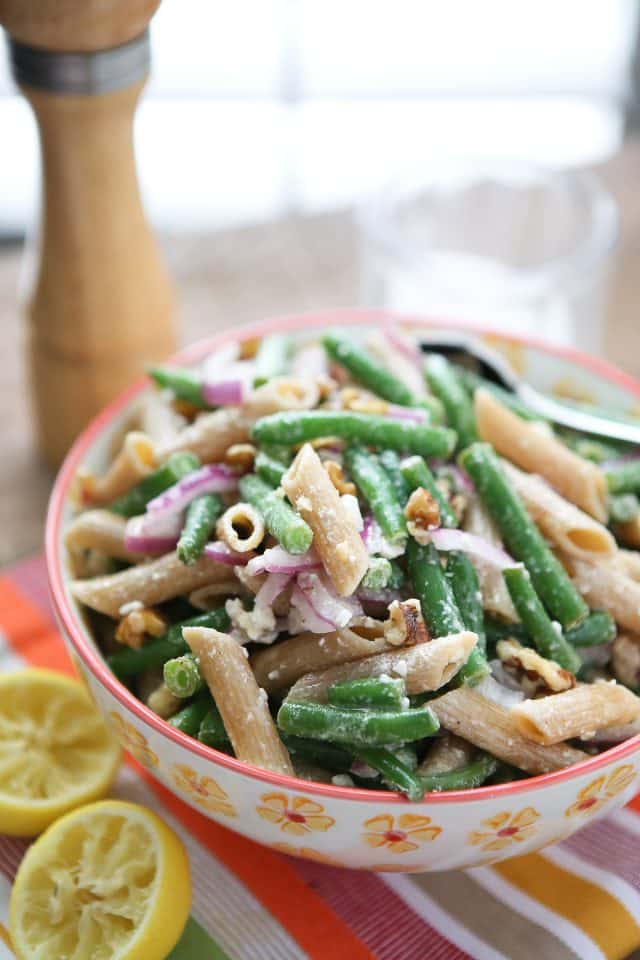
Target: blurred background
(296,154)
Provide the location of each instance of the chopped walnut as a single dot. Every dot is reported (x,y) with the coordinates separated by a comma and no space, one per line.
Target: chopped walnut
(337,477)
(625,659)
(240,457)
(248,348)
(422,514)
(362,402)
(405,626)
(137,624)
(186,409)
(536,674)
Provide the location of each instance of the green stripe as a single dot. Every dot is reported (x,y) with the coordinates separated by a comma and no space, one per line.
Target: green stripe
(196,944)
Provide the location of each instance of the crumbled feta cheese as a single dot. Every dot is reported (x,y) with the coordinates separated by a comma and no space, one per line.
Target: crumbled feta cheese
(342,780)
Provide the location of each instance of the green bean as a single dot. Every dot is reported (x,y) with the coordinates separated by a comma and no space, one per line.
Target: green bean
(200,520)
(272,357)
(182,676)
(548,640)
(464,778)
(444,383)
(434,407)
(379,693)
(407,754)
(130,662)
(390,462)
(134,501)
(185,384)
(473,381)
(378,574)
(211,730)
(591,448)
(292,427)
(521,536)
(599,627)
(280,519)
(496,630)
(417,474)
(466,590)
(327,755)
(190,717)
(624,478)
(374,484)
(434,591)
(623,507)
(366,370)
(362,727)
(270,468)
(395,774)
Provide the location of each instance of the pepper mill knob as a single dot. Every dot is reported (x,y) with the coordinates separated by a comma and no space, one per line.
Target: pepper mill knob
(103,306)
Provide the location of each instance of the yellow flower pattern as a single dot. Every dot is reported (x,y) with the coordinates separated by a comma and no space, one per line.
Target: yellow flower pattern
(504,829)
(296,817)
(596,794)
(204,790)
(133,741)
(399,835)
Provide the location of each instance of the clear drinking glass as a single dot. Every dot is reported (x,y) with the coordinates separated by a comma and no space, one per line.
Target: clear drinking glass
(503,245)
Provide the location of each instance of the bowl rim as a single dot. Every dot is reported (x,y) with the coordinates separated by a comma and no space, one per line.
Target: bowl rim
(77,633)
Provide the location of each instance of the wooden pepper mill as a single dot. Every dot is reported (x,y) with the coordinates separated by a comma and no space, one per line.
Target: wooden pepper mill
(102,307)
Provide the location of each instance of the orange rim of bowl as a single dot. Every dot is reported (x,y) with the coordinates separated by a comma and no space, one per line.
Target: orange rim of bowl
(78,634)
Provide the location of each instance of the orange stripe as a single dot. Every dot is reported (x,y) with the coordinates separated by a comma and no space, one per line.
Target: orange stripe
(305,915)
(29,632)
(634,803)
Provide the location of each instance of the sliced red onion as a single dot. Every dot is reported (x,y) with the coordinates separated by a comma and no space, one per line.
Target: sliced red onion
(304,617)
(277,560)
(490,689)
(403,344)
(444,539)
(376,542)
(384,597)
(222,393)
(503,677)
(597,656)
(271,588)
(409,414)
(140,536)
(212,478)
(325,601)
(222,552)
(362,769)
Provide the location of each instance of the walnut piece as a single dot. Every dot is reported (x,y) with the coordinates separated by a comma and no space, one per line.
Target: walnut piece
(361,401)
(422,514)
(137,624)
(625,659)
(240,457)
(405,626)
(536,674)
(337,477)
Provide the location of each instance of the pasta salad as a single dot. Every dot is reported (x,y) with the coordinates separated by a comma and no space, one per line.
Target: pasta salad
(356,562)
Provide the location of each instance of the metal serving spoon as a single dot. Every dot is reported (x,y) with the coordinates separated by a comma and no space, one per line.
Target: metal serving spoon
(492,366)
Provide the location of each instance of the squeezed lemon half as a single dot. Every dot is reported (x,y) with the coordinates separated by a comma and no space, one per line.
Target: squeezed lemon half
(109,881)
(56,752)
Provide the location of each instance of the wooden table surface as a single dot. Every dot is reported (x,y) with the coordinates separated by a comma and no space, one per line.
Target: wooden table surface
(244,275)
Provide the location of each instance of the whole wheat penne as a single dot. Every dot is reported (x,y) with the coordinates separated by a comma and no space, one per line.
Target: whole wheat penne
(561,522)
(335,534)
(210,435)
(243,706)
(149,583)
(625,659)
(495,596)
(163,702)
(576,713)
(99,530)
(241,527)
(447,753)
(605,586)
(159,420)
(134,461)
(427,666)
(629,561)
(492,728)
(629,532)
(282,393)
(535,449)
(280,665)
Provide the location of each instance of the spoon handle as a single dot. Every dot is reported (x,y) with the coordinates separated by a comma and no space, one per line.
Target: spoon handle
(576,419)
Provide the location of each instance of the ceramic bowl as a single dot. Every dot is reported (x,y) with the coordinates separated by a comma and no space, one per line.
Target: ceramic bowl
(364,829)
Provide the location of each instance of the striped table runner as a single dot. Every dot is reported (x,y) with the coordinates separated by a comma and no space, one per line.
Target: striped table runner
(579,900)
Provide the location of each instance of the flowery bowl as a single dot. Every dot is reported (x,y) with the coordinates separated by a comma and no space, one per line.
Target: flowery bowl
(364,829)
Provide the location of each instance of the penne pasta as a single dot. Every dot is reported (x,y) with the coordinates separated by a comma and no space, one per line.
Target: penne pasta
(209,436)
(492,728)
(625,659)
(159,420)
(134,461)
(427,666)
(562,523)
(282,393)
(629,561)
(243,706)
(606,587)
(163,702)
(495,596)
(148,583)
(534,448)
(102,531)
(580,712)
(447,753)
(241,527)
(280,665)
(335,534)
